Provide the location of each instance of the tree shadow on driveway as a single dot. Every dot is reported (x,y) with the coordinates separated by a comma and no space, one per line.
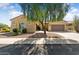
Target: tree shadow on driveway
(22,48)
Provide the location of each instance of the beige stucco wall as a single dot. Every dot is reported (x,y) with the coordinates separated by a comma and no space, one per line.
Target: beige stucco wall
(58,24)
(30,26)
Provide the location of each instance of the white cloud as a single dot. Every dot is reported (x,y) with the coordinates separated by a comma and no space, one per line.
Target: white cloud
(11,7)
(15,13)
(70,15)
(8,6)
(4,4)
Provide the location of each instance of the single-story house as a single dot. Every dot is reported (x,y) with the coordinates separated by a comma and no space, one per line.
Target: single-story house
(21,22)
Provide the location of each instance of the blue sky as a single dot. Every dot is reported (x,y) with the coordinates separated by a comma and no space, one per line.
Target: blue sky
(8,11)
(74,10)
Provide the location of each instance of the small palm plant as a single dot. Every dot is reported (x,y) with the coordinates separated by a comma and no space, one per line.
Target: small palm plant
(76,23)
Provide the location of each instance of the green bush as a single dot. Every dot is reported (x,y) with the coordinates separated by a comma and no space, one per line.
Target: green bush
(24,30)
(15,31)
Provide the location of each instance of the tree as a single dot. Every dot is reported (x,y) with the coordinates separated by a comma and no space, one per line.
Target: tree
(76,23)
(4,27)
(57,11)
(44,12)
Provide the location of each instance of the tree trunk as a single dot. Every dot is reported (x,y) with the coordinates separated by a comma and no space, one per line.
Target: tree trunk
(45,31)
(43,27)
(77,28)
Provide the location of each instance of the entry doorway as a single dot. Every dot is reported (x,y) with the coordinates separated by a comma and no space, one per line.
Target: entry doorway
(22,26)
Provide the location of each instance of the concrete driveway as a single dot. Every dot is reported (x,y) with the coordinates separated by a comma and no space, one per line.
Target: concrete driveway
(69,35)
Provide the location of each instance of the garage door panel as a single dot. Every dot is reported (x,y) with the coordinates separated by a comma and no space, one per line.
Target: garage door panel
(57,27)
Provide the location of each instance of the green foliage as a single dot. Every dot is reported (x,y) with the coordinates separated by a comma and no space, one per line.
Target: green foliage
(24,30)
(4,27)
(76,23)
(57,11)
(44,12)
(15,31)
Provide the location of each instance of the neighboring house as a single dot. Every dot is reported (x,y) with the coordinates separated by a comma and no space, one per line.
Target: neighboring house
(20,23)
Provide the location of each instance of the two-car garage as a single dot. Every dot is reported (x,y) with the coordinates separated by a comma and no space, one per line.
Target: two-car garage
(56,27)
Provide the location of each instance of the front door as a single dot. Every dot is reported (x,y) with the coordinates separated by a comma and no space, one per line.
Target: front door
(21,26)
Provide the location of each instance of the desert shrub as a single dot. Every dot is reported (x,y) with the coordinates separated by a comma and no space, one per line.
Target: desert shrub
(24,30)
(15,31)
